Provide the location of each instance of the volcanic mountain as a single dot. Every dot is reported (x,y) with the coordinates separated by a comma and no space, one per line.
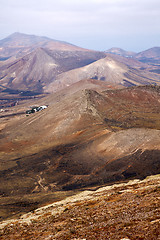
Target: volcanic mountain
(19,44)
(108,69)
(151,55)
(84,138)
(47,65)
(40,67)
(45,70)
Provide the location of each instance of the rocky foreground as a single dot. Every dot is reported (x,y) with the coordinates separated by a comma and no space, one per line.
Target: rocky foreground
(120,211)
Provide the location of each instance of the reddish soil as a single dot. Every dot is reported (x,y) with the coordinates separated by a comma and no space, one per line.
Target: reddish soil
(125,211)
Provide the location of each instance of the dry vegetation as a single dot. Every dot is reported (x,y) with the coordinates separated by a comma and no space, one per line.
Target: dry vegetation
(122,211)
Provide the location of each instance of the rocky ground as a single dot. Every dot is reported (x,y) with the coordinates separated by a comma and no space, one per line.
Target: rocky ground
(120,211)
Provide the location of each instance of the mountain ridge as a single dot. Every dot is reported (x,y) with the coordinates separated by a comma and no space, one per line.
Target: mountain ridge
(37,69)
(28,39)
(108,70)
(150,56)
(19,44)
(121,52)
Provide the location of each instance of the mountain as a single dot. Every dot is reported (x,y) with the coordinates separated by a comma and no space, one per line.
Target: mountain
(44,70)
(19,44)
(40,64)
(37,69)
(86,137)
(121,52)
(150,56)
(108,69)
(28,72)
(149,53)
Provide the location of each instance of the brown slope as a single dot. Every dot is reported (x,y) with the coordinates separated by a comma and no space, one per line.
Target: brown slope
(74,111)
(39,68)
(83,138)
(149,53)
(111,212)
(108,69)
(29,72)
(147,67)
(151,56)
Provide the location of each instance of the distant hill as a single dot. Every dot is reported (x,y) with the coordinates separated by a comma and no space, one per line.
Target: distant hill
(151,56)
(150,53)
(36,70)
(121,52)
(108,70)
(19,44)
(42,64)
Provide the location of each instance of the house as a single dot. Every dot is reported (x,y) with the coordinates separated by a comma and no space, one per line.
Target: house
(36,109)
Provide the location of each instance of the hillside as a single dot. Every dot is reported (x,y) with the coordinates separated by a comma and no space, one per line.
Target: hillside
(84,138)
(150,58)
(151,55)
(40,64)
(49,71)
(20,44)
(102,213)
(110,70)
(37,69)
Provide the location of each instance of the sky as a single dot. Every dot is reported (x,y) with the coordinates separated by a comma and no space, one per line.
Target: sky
(133,25)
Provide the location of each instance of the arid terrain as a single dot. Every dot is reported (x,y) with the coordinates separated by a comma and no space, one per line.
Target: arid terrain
(99,125)
(82,139)
(39,64)
(127,211)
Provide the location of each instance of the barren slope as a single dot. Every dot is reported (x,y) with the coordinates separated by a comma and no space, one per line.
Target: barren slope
(122,211)
(107,69)
(151,56)
(39,68)
(83,138)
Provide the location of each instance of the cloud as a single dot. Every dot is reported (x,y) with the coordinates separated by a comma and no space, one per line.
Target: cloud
(81,19)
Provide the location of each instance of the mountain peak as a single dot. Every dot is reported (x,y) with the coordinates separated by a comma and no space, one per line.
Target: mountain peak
(22,39)
(21,43)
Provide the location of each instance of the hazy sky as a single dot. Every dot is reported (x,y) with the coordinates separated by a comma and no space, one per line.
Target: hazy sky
(94,24)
